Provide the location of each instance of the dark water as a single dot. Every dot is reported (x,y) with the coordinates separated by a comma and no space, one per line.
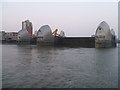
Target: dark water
(29,66)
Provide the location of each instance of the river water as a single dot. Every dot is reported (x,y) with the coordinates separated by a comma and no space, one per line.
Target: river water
(30,66)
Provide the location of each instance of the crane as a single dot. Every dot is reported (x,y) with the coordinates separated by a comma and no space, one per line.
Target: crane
(55,33)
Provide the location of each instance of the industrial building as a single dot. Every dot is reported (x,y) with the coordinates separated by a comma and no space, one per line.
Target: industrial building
(8,36)
(2,35)
(113,38)
(26,33)
(27,25)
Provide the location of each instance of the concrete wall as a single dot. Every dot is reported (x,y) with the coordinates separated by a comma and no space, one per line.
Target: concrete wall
(76,41)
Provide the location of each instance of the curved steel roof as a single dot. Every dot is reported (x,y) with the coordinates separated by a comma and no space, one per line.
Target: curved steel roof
(104,26)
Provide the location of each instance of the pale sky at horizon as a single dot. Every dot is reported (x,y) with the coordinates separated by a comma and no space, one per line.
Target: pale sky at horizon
(76,18)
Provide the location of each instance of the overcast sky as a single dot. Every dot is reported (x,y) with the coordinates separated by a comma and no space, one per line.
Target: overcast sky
(75,19)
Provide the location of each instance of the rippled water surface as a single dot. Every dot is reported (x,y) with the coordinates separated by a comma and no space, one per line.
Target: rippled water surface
(30,66)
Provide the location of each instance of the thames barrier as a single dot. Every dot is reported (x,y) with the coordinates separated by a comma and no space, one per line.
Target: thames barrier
(104,37)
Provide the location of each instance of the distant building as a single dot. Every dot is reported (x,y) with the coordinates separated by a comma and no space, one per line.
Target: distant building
(27,25)
(26,33)
(11,36)
(113,38)
(2,34)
